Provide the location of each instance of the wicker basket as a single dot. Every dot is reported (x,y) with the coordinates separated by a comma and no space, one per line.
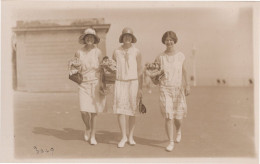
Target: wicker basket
(109,77)
(108,70)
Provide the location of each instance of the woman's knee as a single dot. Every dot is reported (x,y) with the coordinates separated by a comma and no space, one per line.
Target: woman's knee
(168,120)
(178,120)
(93,115)
(131,117)
(120,115)
(84,114)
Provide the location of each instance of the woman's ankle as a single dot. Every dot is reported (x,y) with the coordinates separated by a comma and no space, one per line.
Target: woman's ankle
(124,138)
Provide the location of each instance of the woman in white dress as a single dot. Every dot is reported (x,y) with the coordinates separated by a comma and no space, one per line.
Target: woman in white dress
(87,59)
(128,85)
(174,86)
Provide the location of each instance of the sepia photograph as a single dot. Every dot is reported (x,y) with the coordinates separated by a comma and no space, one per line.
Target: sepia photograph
(117,81)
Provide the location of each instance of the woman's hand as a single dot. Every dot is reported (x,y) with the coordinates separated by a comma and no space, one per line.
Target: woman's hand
(76,62)
(139,94)
(187,90)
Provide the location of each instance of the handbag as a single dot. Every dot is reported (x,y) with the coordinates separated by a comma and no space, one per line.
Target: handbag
(77,77)
(109,77)
(108,70)
(142,108)
(75,67)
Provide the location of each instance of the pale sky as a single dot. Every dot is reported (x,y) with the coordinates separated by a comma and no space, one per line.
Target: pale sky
(221,33)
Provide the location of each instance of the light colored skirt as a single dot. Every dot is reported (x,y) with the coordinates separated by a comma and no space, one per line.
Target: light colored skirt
(173,102)
(109,99)
(125,97)
(89,97)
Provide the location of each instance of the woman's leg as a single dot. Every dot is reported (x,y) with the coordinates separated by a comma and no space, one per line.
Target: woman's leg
(166,129)
(122,125)
(86,117)
(131,130)
(169,129)
(177,123)
(93,129)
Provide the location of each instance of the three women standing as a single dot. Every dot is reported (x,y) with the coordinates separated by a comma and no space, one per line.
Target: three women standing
(174,85)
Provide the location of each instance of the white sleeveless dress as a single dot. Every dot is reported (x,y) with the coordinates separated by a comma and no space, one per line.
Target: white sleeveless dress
(172,97)
(126,85)
(90,99)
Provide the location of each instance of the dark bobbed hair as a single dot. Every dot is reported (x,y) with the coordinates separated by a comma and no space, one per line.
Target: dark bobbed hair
(170,34)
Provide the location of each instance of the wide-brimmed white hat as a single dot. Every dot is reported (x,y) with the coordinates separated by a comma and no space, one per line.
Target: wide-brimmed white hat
(89,31)
(127,30)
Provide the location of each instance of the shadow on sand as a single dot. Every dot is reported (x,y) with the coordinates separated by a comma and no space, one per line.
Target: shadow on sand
(104,137)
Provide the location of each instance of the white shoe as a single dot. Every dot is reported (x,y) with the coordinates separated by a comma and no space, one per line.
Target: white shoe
(170,147)
(132,142)
(86,137)
(178,137)
(122,143)
(93,141)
